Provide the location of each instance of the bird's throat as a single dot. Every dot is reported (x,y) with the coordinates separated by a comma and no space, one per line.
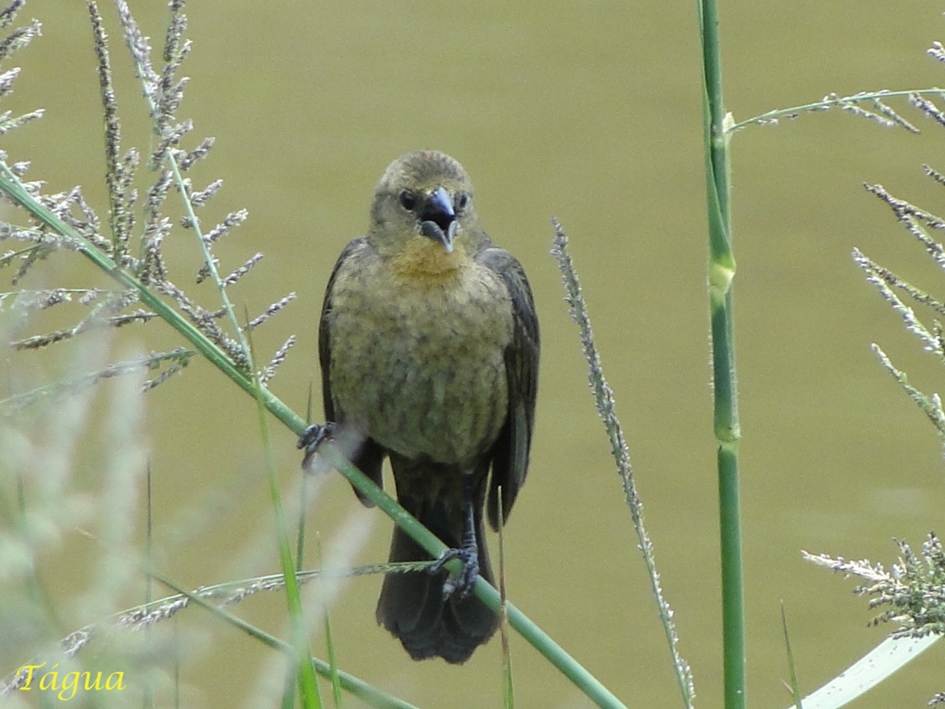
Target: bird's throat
(424,259)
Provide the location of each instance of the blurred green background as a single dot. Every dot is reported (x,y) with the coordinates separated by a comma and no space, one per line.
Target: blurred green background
(591,112)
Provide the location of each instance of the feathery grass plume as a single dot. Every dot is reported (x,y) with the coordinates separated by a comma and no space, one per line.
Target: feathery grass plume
(270,311)
(39,500)
(142,617)
(238,273)
(167,364)
(230,222)
(98,318)
(917,222)
(203,196)
(911,591)
(115,179)
(163,90)
(372,696)
(928,107)
(931,406)
(881,114)
(606,409)
(884,280)
(121,648)
(46,298)
(226,594)
(121,483)
(72,208)
(164,94)
(269,371)
(40,462)
(20,37)
(9,122)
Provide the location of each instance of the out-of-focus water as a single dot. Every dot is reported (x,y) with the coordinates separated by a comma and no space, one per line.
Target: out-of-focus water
(590,112)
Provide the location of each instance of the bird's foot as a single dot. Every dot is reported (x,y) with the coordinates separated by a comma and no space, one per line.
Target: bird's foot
(312,437)
(460,583)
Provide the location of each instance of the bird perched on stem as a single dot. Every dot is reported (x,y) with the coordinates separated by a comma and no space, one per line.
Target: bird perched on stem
(428,343)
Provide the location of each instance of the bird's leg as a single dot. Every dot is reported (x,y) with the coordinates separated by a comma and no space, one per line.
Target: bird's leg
(312,437)
(467,552)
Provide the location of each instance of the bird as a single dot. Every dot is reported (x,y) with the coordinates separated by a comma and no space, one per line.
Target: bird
(429,346)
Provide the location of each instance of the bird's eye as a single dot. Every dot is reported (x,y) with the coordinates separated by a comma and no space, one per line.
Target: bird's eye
(462,201)
(408,200)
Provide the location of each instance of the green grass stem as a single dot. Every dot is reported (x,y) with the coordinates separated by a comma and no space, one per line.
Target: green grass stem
(148,699)
(308,685)
(792,667)
(726,426)
(508,686)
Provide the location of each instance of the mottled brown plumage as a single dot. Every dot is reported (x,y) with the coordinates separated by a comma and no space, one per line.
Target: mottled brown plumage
(428,344)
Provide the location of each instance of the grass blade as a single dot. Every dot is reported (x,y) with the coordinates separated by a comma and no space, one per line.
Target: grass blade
(308,685)
(792,670)
(871,669)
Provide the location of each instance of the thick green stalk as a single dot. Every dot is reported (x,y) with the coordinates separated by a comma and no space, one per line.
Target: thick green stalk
(727,433)
(554,653)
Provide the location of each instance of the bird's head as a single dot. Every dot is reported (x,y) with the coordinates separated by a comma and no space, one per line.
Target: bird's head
(424,201)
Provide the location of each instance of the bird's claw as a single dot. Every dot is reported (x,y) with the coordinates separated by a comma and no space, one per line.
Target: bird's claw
(312,437)
(462,582)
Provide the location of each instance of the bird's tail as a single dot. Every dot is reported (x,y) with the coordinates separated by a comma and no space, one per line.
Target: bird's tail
(412,606)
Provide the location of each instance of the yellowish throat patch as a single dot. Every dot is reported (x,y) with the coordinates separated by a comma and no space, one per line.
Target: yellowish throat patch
(424,259)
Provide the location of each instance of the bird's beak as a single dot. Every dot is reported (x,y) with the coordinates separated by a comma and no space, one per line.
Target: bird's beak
(438,219)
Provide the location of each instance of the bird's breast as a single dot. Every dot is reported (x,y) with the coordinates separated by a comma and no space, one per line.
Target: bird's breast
(418,363)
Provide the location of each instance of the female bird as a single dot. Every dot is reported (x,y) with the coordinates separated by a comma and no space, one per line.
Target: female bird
(428,344)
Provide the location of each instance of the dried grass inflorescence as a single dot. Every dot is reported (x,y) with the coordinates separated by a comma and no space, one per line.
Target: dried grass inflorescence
(606,409)
(871,105)
(129,242)
(138,227)
(911,592)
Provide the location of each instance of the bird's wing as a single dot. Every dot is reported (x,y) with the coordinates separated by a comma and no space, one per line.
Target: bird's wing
(510,452)
(369,456)
(324,331)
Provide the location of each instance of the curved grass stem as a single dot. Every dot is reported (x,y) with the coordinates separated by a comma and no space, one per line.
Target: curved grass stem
(827,103)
